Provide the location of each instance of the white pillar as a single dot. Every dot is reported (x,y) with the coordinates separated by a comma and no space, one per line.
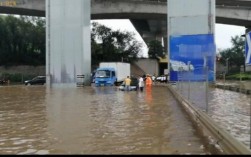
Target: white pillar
(68,44)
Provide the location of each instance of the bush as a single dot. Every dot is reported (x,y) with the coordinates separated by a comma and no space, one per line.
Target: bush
(243,76)
(15,78)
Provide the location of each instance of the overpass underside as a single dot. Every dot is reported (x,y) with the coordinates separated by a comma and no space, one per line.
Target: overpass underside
(148,16)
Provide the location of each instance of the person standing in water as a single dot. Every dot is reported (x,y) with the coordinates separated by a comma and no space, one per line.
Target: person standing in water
(141,83)
(127,83)
(149,81)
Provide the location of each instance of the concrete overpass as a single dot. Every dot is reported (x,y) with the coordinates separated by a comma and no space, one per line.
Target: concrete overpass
(147,16)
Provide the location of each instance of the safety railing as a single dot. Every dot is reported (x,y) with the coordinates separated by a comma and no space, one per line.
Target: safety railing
(222,140)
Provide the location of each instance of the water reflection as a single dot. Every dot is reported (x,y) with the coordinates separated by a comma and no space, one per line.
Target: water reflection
(105,90)
(149,95)
(90,120)
(232,113)
(231,110)
(23,120)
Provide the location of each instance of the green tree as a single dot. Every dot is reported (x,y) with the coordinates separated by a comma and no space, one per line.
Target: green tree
(155,49)
(235,55)
(108,45)
(22,40)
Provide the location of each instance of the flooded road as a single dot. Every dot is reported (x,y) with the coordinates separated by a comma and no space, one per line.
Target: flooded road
(231,110)
(90,120)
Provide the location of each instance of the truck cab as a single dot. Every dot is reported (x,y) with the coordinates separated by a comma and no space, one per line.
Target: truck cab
(105,77)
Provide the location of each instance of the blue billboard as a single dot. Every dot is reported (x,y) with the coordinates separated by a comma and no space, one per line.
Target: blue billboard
(192,57)
(248,49)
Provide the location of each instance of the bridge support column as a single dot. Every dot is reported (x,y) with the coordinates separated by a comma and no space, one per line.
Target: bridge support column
(165,45)
(68,43)
(191,38)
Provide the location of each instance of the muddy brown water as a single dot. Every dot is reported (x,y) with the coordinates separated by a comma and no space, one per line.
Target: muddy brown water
(94,120)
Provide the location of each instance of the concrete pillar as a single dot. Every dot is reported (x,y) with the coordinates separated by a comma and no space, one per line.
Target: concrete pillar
(68,52)
(158,38)
(165,45)
(166,50)
(191,36)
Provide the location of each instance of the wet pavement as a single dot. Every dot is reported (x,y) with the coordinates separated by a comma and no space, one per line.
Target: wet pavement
(91,120)
(241,84)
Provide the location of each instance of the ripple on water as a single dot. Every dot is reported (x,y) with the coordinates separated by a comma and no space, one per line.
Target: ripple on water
(29,151)
(231,111)
(34,151)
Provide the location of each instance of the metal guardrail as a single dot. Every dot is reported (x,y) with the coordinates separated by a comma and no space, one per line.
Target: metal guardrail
(227,143)
(233,88)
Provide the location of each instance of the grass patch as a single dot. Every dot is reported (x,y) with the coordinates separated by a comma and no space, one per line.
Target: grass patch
(238,76)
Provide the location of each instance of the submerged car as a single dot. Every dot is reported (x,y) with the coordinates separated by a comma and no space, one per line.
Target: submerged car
(133,86)
(39,80)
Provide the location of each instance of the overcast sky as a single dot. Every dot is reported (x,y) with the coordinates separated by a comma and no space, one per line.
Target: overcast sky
(223,33)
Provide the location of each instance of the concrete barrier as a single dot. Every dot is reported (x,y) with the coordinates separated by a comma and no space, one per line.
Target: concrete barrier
(233,88)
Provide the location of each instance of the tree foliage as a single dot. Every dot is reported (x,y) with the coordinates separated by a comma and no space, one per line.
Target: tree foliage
(22,40)
(155,49)
(235,55)
(113,46)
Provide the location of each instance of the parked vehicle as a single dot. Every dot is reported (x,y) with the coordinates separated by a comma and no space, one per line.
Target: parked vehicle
(111,73)
(161,78)
(39,80)
(3,82)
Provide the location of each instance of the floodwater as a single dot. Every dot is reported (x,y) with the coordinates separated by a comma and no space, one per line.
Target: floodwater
(229,109)
(94,120)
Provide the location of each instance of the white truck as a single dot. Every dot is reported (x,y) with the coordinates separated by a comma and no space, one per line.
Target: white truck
(110,73)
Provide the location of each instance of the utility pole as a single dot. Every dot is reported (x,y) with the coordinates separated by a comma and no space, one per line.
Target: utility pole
(227,64)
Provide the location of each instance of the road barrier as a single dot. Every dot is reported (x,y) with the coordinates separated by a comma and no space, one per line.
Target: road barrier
(233,88)
(226,143)
(80,80)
